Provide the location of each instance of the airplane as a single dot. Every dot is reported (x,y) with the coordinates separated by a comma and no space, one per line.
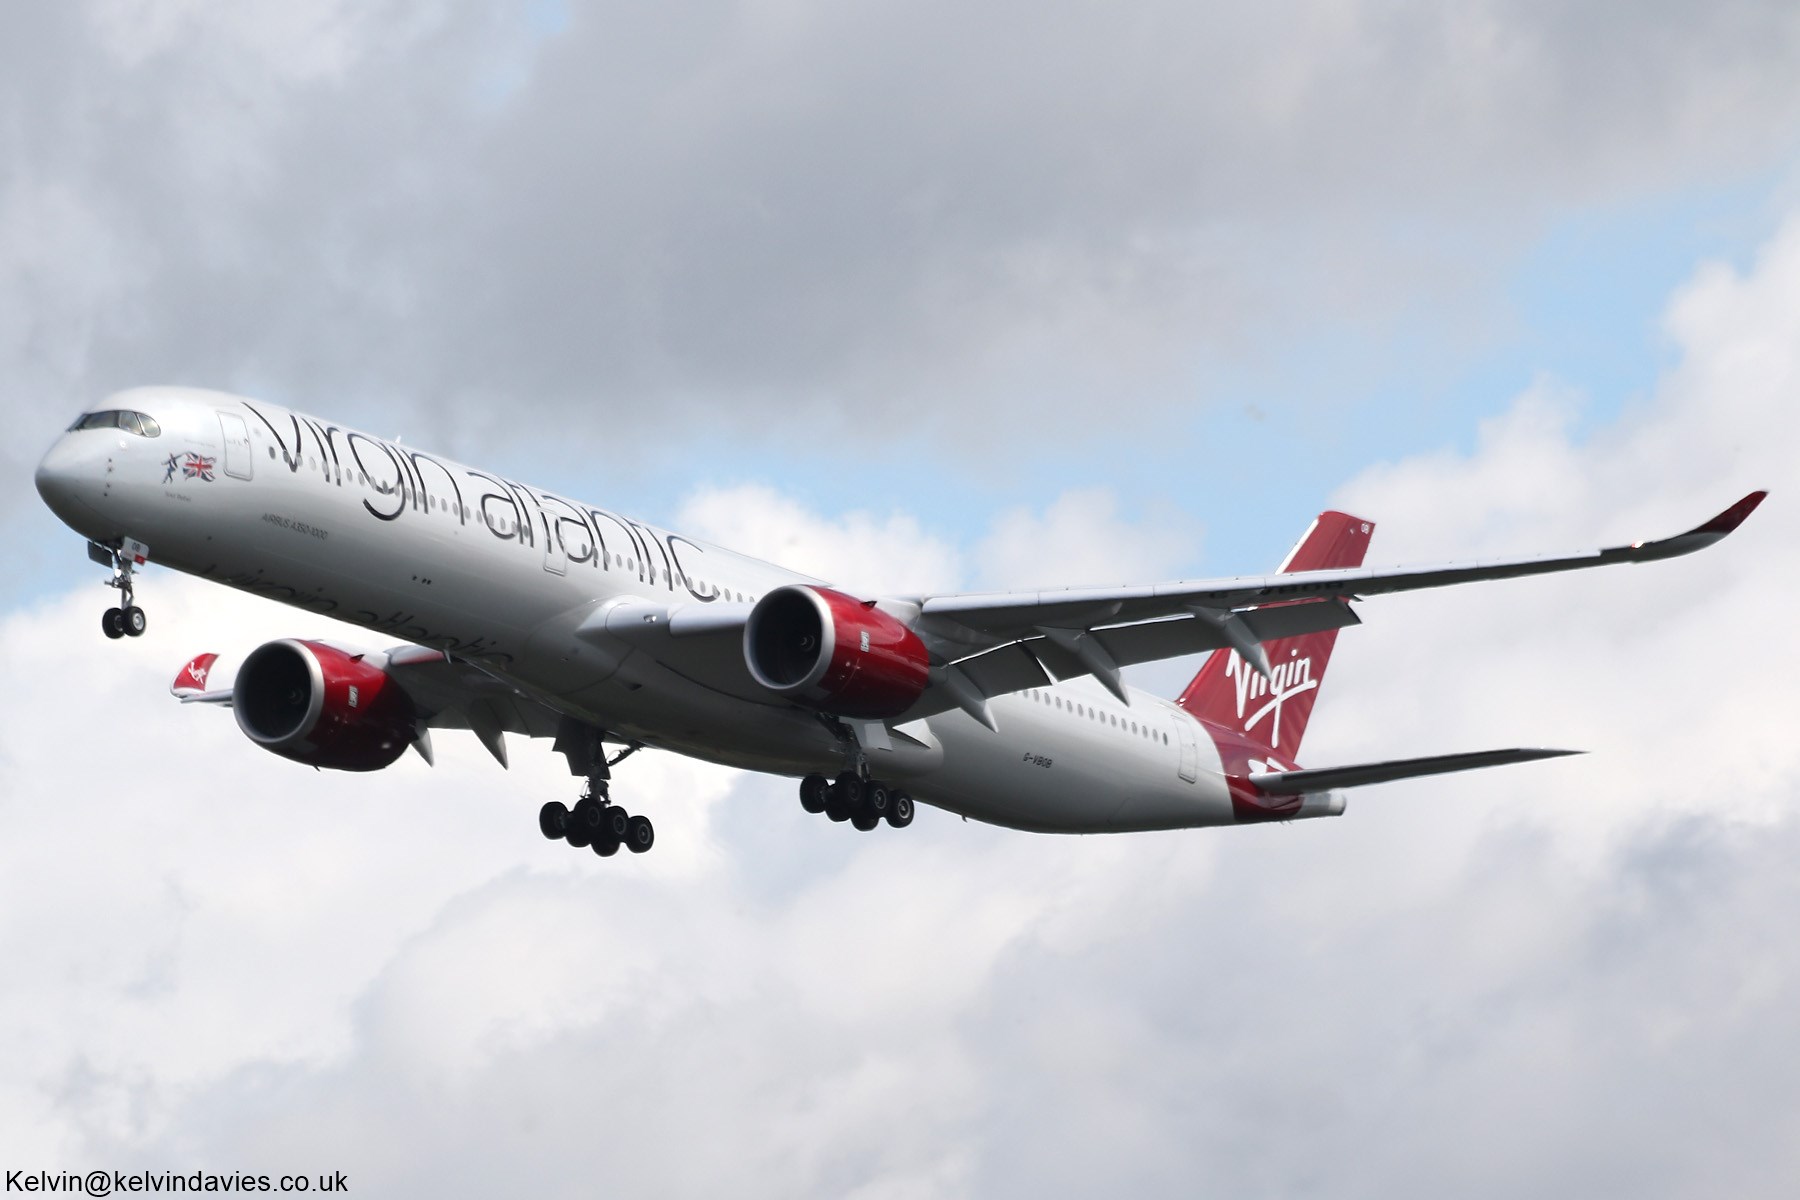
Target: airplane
(521,611)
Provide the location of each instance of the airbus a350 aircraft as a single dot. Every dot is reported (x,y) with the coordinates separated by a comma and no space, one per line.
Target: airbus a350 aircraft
(525,612)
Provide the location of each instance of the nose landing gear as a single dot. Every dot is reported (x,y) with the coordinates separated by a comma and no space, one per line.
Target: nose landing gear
(865,803)
(127,620)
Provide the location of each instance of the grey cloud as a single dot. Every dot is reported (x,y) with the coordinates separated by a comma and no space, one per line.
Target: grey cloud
(764,214)
(1516,1027)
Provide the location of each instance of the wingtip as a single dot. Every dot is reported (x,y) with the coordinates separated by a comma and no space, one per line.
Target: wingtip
(1734,516)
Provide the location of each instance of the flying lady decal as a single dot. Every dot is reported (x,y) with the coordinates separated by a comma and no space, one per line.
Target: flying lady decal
(189,466)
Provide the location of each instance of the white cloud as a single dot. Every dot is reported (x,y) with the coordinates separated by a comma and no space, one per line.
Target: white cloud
(1079,537)
(891,554)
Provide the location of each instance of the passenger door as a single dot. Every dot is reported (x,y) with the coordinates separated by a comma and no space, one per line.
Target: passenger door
(237,445)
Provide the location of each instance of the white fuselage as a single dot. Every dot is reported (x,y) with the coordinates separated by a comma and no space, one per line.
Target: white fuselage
(416,547)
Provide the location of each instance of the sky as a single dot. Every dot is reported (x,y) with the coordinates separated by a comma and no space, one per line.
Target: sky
(929,296)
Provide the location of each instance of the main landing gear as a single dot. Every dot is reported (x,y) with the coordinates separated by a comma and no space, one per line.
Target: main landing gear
(865,803)
(128,619)
(595,821)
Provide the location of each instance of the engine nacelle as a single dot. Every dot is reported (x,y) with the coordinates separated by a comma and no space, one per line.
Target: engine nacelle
(322,706)
(835,653)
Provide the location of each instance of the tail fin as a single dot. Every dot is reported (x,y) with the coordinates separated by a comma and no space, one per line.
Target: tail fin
(1268,719)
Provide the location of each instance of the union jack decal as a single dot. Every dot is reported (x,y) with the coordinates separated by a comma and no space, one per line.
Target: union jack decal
(191,466)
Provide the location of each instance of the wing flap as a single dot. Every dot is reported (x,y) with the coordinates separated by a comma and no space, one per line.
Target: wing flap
(1321,779)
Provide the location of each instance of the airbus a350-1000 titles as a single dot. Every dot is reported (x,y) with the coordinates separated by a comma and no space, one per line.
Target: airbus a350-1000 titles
(525,612)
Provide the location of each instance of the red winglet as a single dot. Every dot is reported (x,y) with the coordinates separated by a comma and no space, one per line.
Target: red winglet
(1734,516)
(191,680)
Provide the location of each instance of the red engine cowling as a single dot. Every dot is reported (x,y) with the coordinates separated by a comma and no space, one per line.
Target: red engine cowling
(322,706)
(835,653)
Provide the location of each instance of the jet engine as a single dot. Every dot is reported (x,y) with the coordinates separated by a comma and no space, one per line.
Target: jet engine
(322,706)
(835,653)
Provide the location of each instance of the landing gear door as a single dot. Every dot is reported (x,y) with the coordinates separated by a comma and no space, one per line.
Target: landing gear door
(1190,750)
(237,445)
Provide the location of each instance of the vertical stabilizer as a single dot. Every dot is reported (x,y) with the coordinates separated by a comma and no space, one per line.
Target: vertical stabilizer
(1255,717)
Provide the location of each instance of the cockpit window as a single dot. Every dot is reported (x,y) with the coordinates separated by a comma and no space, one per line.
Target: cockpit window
(115,418)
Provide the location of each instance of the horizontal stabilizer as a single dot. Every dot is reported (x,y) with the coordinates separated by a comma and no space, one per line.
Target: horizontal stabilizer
(1293,783)
(190,682)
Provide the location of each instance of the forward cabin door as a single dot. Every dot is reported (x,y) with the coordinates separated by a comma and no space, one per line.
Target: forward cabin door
(237,445)
(1190,749)
(556,555)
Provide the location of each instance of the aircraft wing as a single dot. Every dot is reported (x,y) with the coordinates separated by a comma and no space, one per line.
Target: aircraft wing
(989,644)
(999,642)
(1322,779)
(990,615)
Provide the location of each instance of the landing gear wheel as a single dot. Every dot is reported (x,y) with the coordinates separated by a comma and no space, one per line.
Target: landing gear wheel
(813,791)
(583,824)
(900,811)
(615,823)
(640,834)
(605,846)
(849,788)
(877,799)
(112,623)
(835,805)
(135,622)
(865,821)
(553,820)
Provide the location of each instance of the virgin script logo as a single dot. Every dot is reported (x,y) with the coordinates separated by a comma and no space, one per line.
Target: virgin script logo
(1291,679)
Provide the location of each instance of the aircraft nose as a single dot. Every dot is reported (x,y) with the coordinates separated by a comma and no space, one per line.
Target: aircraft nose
(56,474)
(64,479)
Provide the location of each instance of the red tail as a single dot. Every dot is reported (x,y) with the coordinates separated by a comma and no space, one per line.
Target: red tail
(1248,716)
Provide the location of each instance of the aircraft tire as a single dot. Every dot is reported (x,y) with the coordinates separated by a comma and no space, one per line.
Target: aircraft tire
(835,808)
(112,623)
(877,799)
(135,622)
(641,834)
(553,820)
(865,821)
(605,847)
(615,823)
(849,787)
(584,826)
(813,790)
(900,812)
